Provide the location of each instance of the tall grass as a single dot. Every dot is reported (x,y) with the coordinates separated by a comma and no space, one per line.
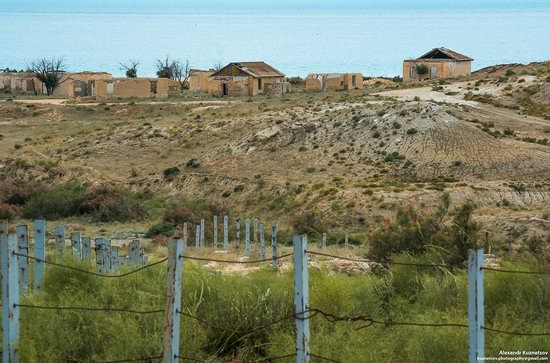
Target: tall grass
(239,303)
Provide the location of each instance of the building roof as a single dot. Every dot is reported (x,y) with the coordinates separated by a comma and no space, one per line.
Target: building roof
(255,69)
(444,54)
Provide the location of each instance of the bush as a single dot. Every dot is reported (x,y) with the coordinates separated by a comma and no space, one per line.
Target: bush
(308,222)
(177,216)
(9,211)
(171,172)
(161,229)
(55,202)
(193,163)
(107,203)
(412,131)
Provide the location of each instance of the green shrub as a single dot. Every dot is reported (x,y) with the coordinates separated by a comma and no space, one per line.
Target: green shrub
(412,131)
(161,229)
(59,201)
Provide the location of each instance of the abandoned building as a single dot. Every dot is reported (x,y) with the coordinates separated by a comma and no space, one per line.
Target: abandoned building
(247,79)
(318,82)
(78,84)
(439,63)
(135,87)
(20,83)
(198,79)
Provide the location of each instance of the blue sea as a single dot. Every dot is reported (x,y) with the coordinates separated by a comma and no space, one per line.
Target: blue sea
(369,37)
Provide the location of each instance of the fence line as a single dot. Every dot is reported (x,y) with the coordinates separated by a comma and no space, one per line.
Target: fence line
(13,266)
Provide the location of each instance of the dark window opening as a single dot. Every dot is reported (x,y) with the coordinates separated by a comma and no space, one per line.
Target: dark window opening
(154,87)
(260,84)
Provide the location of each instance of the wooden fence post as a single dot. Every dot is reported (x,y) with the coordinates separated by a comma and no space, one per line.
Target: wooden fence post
(262,241)
(86,246)
(202,233)
(476,310)
(39,253)
(301,298)
(247,238)
(13,299)
(176,250)
(226,233)
(274,245)
(324,243)
(4,228)
(60,241)
(23,247)
(238,232)
(216,232)
(76,243)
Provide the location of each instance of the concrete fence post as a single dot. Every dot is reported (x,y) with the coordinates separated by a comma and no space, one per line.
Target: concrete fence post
(262,241)
(301,298)
(238,233)
(216,232)
(185,233)
(115,260)
(103,254)
(346,241)
(59,233)
(39,253)
(476,309)
(255,232)
(197,235)
(176,250)
(86,249)
(226,233)
(247,238)
(76,245)
(13,300)
(274,245)
(23,247)
(324,242)
(202,233)
(4,251)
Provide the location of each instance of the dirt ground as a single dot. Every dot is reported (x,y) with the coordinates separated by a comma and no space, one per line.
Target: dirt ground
(353,155)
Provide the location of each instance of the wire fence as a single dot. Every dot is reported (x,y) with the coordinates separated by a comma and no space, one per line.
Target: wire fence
(303,311)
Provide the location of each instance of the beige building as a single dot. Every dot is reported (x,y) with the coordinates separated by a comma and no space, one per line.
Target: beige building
(135,87)
(440,63)
(247,79)
(198,79)
(19,83)
(317,82)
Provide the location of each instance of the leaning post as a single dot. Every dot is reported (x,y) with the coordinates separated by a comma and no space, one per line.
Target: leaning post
(274,245)
(39,253)
(476,310)
(23,246)
(301,298)
(176,250)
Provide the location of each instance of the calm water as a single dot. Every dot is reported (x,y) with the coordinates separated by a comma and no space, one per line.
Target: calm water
(295,41)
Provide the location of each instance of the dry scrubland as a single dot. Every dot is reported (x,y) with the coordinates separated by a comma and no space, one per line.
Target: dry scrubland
(395,166)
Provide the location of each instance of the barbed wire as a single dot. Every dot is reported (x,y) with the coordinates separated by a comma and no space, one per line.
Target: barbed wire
(91,272)
(84,308)
(516,271)
(514,332)
(378,261)
(190,359)
(143,359)
(236,261)
(240,332)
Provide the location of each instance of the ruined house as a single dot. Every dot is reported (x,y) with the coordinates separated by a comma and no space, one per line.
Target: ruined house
(198,79)
(79,84)
(440,63)
(135,87)
(317,82)
(20,83)
(247,79)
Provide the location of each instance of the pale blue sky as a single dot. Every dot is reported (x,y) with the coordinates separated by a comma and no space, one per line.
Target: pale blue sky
(76,5)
